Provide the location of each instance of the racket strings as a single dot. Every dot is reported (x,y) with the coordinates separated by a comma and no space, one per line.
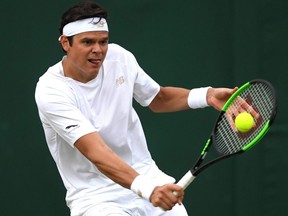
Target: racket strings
(260,99)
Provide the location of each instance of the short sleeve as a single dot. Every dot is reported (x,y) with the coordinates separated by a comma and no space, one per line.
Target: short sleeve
(145,88)
(58,111)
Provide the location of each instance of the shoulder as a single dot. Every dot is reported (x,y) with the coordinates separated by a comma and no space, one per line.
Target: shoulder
(118,53)
(115,48)
(52,82)
(53,76)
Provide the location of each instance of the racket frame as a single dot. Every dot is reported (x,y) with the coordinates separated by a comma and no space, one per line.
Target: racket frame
(189,177)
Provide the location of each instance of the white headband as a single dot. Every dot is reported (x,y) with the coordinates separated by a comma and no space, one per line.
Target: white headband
(85,25)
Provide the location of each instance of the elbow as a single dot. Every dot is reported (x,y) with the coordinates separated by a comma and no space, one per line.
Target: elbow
(156,105)
(155,109)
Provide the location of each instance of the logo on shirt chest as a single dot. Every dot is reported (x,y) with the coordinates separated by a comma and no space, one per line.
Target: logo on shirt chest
(120,81)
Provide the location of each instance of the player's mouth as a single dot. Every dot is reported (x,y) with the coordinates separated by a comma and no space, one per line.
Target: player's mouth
(95,62)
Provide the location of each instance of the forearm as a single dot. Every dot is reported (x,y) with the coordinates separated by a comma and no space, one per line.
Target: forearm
(170,99)
(110,164)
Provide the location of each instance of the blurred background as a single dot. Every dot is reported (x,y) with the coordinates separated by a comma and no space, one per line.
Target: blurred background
(188,43)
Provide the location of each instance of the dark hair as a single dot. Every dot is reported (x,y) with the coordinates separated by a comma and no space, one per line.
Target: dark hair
(80,11)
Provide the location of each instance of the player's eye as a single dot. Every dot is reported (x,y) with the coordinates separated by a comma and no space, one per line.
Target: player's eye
(87,42)
(104,42)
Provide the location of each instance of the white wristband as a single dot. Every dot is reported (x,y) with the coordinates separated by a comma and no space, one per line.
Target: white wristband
(143,187)
(197,98)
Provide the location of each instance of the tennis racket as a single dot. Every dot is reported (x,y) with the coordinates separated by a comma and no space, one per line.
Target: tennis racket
(256,97)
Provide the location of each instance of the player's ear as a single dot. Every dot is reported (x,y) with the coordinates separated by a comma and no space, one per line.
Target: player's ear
(64,43)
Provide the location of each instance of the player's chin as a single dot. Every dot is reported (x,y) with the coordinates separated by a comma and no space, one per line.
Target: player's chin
(94,68)
(91,72)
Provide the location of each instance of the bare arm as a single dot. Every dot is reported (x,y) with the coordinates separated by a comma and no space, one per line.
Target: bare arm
(94,149)
(110,164)
(172,99)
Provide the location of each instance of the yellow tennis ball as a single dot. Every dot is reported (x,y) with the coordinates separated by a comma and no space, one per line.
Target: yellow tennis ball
(244,122)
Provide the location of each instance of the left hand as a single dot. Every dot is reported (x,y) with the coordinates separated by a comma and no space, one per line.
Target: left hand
(217,97)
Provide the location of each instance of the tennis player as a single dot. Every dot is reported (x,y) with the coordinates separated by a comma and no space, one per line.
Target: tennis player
(92,130)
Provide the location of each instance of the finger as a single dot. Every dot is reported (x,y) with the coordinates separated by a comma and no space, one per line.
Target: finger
(248,108)
(179,195)
(165,198)
(230,118)
(175,193)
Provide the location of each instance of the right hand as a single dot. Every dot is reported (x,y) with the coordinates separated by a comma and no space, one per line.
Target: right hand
(165,198)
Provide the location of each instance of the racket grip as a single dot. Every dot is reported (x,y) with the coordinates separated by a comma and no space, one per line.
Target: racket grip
(186,180)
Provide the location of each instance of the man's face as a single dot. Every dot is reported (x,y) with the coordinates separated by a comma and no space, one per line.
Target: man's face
(85,55)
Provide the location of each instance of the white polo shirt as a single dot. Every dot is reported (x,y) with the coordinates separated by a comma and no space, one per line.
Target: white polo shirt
(69,109)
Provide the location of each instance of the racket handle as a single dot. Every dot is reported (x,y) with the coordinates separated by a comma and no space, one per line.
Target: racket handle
(186,180)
